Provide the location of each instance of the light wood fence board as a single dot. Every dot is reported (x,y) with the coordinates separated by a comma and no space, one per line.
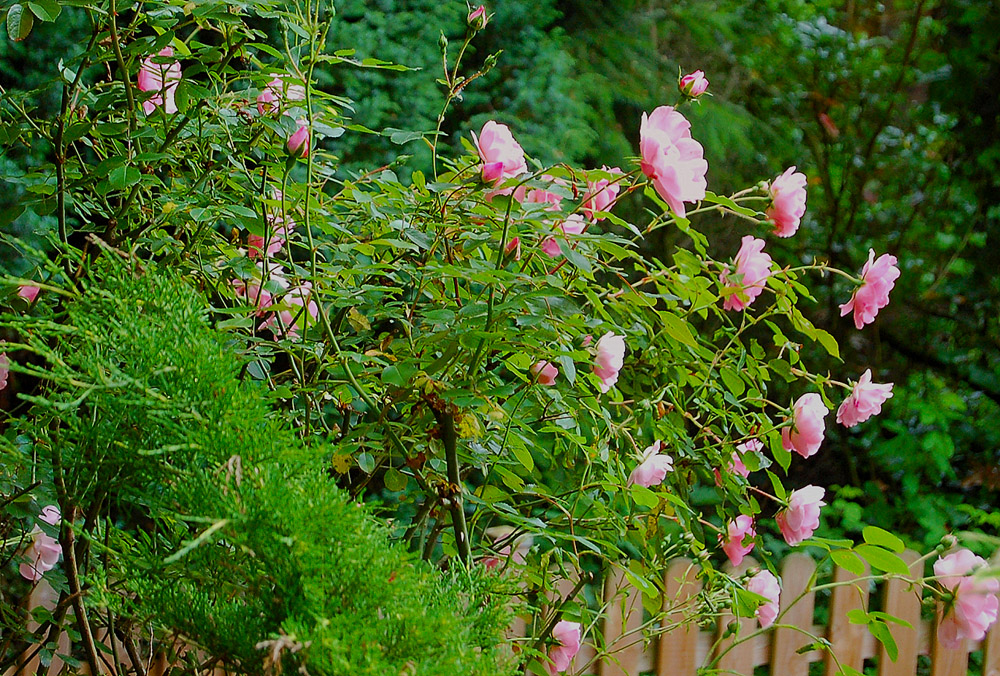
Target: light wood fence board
(901,600)
(796,574)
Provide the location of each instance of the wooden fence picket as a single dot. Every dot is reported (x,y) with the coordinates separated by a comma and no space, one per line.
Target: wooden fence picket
(678,649)
(847,639)
(622,638)
(796,575)
(901,600)
(737,658)
(945,661)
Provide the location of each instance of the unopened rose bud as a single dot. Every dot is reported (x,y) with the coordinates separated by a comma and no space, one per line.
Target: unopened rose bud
(298,143)
(443,42)
(478,18)
(514,248)
(693,84)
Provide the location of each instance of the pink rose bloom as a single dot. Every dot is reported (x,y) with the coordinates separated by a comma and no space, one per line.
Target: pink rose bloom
(4,370)
(277,91)
(753,267)
(298,143)
(299,306)
(545,373)
(161,78)
(541,196)
(44,551)
(478,18)
(253,290)
(788,202)
(693,84)
(514,248)
(975,606)
(738,530)
(864,401)
(877,279)
(798,521)
(551,247)
(750,446)
(807,430)
(501,155)
(28,292)
(652,468)
(567,636)
(601,194)
(766,584)
(573,225)
(671,159)
(257,248)
(609,360)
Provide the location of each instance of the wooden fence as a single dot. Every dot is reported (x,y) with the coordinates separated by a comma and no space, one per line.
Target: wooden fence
(683,651)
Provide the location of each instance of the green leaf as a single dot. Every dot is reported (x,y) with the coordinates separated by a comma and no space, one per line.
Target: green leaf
(644,497)
(727,202)
(19,22)
(395,480)
(733,382)
(523,455)
(848,560)
(45,10)
(782,456)
(882,633)
(123,177)
(779,490)
(874,535)
(678,329)
(366,462)
(882,559)
(828,342)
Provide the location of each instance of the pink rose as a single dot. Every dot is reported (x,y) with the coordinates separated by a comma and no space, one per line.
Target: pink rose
(601,194)
(551,247)
(736,533)
(807,430)
(28,292)
(609,360)
(652,468)
(798,521)
(298,143)
(541,196)
(298,308)
(501,155)
(513,550)
(567,636)
(278,227)
(270,274)
(545,373)
(788,202)
(753,267)
(478,18)
(44,551)
(766,584)
(4,370)
(877,279)
(671,159)
(161,78)
(749,446)
(864,401)
(514,248)
(278,91)
(573,225)
(975,604)
(693,84)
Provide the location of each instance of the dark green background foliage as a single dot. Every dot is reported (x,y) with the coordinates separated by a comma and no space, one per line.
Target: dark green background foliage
(224,529)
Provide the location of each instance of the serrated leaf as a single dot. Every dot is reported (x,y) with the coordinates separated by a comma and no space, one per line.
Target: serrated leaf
(874,535)
(882,559)
(19,22)
(45,10)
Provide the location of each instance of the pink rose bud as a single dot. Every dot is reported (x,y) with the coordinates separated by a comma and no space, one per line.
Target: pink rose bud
(652,468)
(28,292)
(567,637)
(587,340)
(671,159)
(798,521)
(788,202)
(609,360)
(278,91)
(693,84)
(739,531)
(502,156)
(877,279)
(766,584)
(44,551)
(551,247)
(975,605)
(4,370)
(161,78)
(864,401)
(544,373)
(514,248)
(807,430)
(753,267)
(601,194)
(298,143)
(750,446)
(478,18)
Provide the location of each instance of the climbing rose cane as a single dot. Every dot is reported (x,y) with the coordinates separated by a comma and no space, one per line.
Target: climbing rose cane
(753,267)
(162,78)
(864,401)
(567,635)
(652,468)
(766,584)
(806,433)
(609,360)
(671,159)
(975,605)
(798,521)
(44,551)
(788,202)
(736,532)
(877,279)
